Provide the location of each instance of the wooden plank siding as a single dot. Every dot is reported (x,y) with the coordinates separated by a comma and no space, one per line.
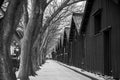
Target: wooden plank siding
(65,42)
(102,48)
(115,36)
(74,41)
(96,47)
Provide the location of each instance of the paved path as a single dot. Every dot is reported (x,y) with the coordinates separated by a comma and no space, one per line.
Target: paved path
(51,70)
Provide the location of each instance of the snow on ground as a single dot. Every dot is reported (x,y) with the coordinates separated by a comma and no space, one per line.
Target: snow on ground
(52,70)
(99,77)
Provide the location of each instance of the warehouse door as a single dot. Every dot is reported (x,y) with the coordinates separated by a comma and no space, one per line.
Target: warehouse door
(107,52)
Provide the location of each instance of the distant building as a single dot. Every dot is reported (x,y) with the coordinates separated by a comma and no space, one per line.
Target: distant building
(16,41)
(74,40)
(66,44)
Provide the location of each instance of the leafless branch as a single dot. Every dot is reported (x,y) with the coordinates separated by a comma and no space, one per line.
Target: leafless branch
(49,2)
(2,12)
(74,2)
(56,16)
(57,11)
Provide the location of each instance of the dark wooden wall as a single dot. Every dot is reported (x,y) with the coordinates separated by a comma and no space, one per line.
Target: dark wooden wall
(88,51)
(94,44)
(114,22)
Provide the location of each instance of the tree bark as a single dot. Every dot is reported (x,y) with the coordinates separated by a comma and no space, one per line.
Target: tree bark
(27,42)
(33,35)
(8,29)
(36,31)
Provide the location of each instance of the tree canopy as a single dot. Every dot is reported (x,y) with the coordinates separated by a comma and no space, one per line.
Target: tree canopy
(39,23)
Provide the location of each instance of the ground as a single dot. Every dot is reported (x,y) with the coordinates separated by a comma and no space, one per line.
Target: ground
(52,70)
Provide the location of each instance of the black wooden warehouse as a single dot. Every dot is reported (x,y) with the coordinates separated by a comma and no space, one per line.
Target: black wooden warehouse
(74,40)
(101,30)
(95,45)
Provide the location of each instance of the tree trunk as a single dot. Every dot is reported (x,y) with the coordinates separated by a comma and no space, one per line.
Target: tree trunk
(27,41)
(8,29)
(39,36)
(36,31)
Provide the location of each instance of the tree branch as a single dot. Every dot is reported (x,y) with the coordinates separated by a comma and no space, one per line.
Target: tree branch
(1,10)
(55,13)
(49,2)
(74,2)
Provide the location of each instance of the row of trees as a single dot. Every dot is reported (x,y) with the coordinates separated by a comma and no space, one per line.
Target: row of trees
(37,28)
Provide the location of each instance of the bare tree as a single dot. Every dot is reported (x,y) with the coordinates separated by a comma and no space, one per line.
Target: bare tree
(35,30)
(35,35)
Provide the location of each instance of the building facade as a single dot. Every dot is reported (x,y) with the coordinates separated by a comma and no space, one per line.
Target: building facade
(101,30)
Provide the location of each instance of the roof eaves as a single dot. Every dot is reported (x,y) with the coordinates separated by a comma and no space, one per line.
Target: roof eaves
(77,18)
(86,15)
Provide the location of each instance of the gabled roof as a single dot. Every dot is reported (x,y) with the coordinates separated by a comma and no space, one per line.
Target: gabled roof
(75,25)
(67,31)
(86,15)
(61,42)
(61,39)
(64,39)
(73,30)
(77,18)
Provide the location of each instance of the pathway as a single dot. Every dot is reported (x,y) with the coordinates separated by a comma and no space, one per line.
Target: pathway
(51,70)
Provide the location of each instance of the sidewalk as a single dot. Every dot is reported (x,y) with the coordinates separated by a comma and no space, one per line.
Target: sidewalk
(85,73)
(53,70)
